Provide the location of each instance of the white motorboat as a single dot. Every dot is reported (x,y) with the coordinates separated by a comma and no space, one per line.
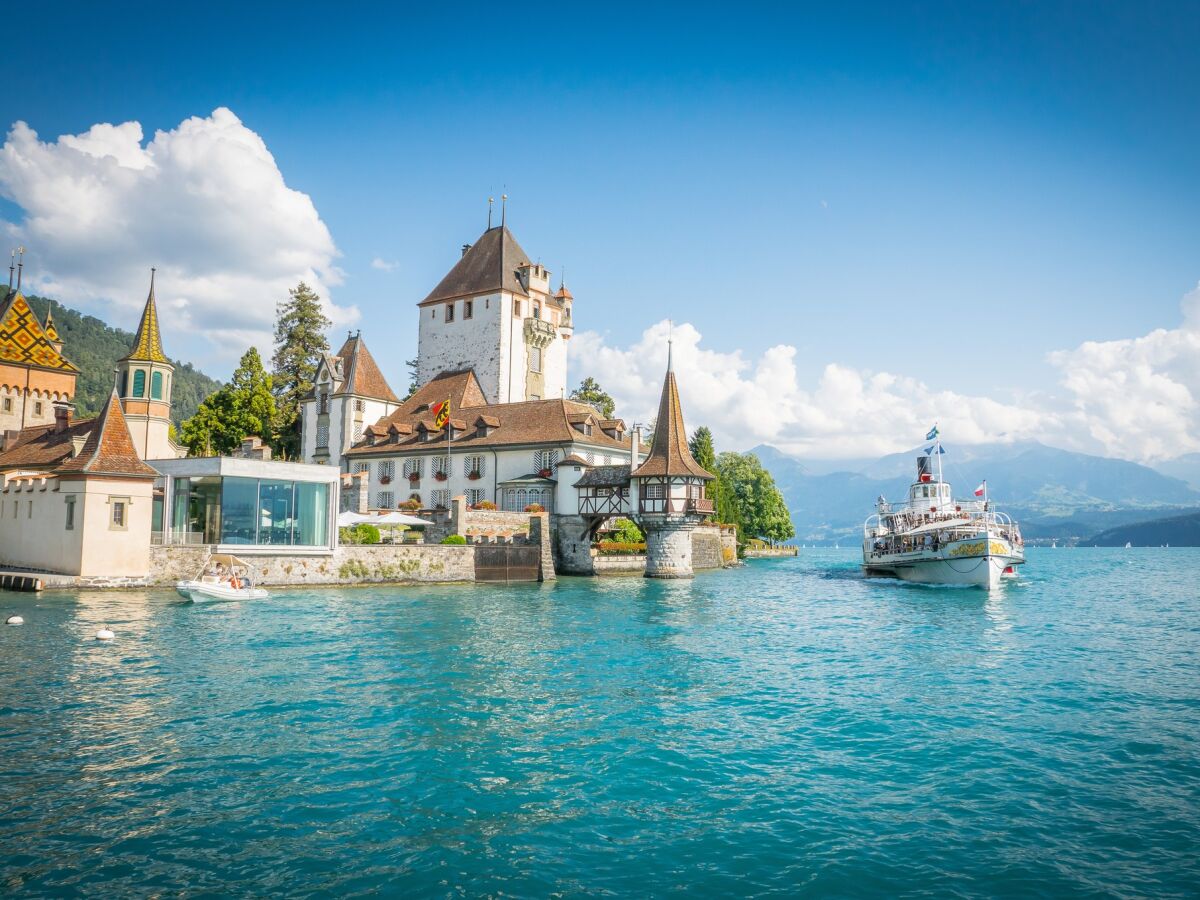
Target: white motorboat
(223,577)
(933,538)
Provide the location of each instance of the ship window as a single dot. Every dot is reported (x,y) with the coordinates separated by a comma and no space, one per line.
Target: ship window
(924,492)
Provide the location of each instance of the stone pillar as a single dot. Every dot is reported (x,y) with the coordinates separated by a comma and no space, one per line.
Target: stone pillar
(355,497)
(539,533)
(668,549)
(458,515)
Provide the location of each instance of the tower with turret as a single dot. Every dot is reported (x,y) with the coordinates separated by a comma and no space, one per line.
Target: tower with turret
(144,381)
(668,490)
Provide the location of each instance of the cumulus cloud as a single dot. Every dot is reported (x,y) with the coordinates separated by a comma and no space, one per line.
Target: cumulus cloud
(1132,398)
(205,202)
(383,265)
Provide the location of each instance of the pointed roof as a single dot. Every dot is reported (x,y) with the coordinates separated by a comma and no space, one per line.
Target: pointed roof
(669,454)
(109,448)
(489,265)
(49,329)
(23,341)
(360,373)
(147,345)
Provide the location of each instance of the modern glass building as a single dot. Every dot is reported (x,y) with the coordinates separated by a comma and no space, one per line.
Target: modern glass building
(245,505)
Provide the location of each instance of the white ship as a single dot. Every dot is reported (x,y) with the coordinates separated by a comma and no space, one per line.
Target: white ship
(934,539)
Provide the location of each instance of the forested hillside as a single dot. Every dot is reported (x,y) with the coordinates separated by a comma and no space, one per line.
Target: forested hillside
(95,348)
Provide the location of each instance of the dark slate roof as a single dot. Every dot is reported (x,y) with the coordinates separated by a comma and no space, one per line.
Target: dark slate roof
(669,454)
(605,476)
(489,266)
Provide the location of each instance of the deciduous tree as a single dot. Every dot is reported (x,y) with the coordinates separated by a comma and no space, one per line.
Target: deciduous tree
(245,406)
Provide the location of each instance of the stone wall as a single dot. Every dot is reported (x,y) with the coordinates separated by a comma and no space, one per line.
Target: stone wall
(619,564)
(706,547)
(350,564)
(669,551)
(574,551)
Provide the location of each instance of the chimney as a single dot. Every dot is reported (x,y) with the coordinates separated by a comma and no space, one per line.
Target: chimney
(9,439)
(62,417)
(635,445)
(465,248)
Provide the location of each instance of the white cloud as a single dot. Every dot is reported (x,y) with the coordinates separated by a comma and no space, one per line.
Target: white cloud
(1132,398)
(383,265)
(204,202)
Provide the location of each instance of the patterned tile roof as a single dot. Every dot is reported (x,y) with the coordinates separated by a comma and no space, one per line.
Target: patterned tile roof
(23,341)
(109,448)
(147,345)
(50,329)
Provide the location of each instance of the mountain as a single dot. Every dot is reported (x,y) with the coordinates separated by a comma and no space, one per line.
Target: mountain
(95,348)
(1178,531)
(1055,494)
(1186,467)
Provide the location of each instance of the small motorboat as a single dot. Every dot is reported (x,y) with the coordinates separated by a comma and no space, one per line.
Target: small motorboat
(223,577)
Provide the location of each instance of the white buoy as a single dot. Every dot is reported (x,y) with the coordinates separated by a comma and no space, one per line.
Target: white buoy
(14,620)
(104,634)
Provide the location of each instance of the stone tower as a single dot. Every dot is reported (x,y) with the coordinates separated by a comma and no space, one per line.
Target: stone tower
(144,382)
(669,490)
(495,313)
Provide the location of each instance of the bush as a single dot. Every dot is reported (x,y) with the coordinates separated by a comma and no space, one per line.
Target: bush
(484,504)
(410,505)
(362,533)
(454,539)
(621,548)
(625,531)
(535,507)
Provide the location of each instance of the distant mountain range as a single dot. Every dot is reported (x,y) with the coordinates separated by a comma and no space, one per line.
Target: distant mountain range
(1055,494)
(1174,531)
(96,347)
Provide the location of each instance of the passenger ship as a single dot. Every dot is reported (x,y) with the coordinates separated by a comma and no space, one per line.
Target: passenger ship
(934,539)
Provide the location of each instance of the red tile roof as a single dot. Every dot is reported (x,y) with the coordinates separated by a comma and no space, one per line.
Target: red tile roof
(360,373)
(669,454)
(109,448)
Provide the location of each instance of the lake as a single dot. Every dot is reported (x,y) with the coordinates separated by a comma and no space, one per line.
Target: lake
(784,728)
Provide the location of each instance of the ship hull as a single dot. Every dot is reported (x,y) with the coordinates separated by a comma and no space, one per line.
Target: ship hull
(978,562)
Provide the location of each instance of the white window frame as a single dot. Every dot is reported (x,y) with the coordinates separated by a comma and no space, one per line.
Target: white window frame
(385,500)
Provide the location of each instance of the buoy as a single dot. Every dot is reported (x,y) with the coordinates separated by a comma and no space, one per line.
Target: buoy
(14,620)
(104,634)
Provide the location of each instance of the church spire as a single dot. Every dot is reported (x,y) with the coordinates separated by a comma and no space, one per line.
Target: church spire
(148,343)
(669,452)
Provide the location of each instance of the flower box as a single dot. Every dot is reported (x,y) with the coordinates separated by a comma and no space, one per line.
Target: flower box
(440,476)
(544,473)
(414,478)
(474,476)
(385,479)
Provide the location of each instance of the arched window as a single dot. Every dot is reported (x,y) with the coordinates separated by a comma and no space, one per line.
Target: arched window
(156,384)
(139,383)
(125,383)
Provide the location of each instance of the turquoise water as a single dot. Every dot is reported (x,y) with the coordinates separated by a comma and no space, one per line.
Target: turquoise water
(787,728)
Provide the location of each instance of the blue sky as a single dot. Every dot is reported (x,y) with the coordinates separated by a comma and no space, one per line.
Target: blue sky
(908,189)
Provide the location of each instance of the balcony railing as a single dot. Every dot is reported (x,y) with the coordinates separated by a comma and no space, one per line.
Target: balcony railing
(676,506)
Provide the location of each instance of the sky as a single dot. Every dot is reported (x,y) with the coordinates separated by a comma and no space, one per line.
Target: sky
(858,219)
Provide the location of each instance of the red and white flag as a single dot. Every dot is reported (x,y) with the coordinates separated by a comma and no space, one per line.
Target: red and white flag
(981,490)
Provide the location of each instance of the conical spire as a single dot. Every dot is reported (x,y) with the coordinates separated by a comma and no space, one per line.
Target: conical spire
(670,454)
(50,330)
(148,343)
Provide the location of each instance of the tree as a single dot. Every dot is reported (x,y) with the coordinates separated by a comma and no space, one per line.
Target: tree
(704,453)
(413,384)
(243,407)
(754,503)
(627,532)
(299,342)
(590,392)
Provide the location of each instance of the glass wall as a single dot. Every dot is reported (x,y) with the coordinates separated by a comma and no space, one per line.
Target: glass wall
(229,510)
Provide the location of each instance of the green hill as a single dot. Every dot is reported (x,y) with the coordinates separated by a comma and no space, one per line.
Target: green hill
(95,348)
(1177,531)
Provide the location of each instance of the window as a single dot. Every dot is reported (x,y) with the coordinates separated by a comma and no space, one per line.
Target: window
(440,499)
(362,467)
(383,500)
(546,459)
(357,431)
(139,383)
(8,404)
(118,514)
(323,404)
(537,310)
(156,386)
(535,359)
(387,470)
(475,496)
(655,491)
(16,508)
(70,501)
(322,436)
(590,457)
(412,467)
(474,466)
(37,408)
(449,312)
(468,308)
(517,308)
(29,513)
(360,405)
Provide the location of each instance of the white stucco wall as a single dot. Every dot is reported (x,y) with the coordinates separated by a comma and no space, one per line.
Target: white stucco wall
(33,533)
(464,343)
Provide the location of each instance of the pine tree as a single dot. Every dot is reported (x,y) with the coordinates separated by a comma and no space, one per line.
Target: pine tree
(299,342)
(412,378)
(245,406)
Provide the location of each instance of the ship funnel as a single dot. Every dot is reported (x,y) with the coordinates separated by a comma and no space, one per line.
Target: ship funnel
(924,468)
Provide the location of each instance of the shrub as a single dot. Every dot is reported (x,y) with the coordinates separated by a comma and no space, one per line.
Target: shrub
(621,548)
(362,533)
(454,539)
(625,531)
(411,505)
(484,504)
(535,507)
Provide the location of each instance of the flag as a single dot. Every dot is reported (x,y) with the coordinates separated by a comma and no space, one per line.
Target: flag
(933,433)
(929,451)
(981,490)
(441,413)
